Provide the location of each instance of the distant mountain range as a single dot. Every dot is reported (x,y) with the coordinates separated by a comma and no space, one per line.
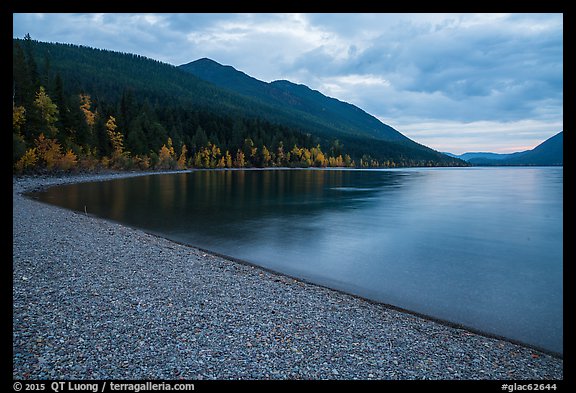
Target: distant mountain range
(548,153)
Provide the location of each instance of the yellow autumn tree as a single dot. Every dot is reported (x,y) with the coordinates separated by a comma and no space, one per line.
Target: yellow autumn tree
(295,154)
(206,156)
(317,157)
(280,156)
(166,156)
(266,157)
(141,162)
(48,150)
(320,160)
(214,155)
(119,158)
(47,110)
(221,162)
(170,147)
(306,158)
(239,162)
(67,161)
(85,104)
(209,157)
(116,138)
(336,161)
(181,164)
(229,163)
(198,159)
(18,118)
(27,161)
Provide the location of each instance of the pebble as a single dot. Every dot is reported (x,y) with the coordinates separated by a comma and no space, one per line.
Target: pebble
(95,299)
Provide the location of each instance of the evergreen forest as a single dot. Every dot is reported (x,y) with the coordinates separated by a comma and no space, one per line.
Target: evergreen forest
(78,108)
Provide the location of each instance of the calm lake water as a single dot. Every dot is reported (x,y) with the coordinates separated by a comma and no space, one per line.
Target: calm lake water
(482,247)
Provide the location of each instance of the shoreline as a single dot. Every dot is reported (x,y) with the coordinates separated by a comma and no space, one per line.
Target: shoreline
(61,258)
(427,317)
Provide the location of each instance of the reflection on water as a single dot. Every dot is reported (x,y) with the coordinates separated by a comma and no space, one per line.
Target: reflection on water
(477,246)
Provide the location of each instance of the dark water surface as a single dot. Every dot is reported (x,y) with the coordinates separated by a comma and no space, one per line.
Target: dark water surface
(482,247)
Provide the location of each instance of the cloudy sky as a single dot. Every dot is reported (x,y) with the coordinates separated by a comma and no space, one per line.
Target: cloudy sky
(454,82)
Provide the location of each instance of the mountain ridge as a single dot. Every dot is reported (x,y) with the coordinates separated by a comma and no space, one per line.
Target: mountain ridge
(547,153)
(344,116)
(152,101)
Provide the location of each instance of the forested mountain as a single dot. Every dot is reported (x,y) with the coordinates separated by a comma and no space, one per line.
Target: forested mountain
(344,118)
(469,156)
(76,106)
(549,152)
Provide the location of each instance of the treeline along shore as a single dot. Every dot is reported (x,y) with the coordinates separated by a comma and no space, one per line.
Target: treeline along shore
(79,108)
(93,299)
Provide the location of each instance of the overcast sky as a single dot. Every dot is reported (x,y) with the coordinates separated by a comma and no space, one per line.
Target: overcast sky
(454,82)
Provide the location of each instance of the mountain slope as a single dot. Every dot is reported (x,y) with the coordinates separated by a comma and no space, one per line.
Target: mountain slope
(486,158)
(328,117)
(470,156)
(334,113)
(109,77)
(549,152)
(327,111)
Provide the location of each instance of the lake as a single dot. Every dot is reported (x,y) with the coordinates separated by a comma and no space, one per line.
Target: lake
(480,247)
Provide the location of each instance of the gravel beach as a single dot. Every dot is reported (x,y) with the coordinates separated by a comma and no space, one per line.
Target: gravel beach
(93,299)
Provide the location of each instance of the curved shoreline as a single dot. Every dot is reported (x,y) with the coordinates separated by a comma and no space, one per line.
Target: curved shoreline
(430,318)
(83,287)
